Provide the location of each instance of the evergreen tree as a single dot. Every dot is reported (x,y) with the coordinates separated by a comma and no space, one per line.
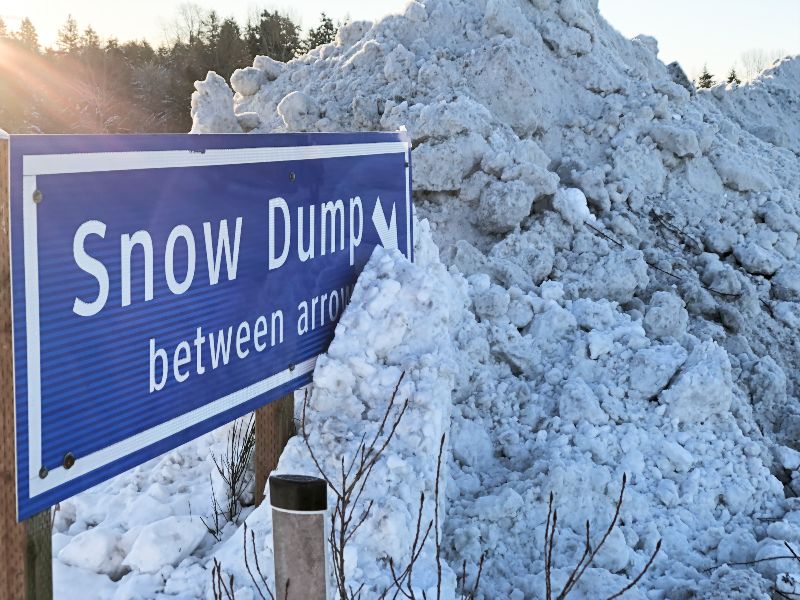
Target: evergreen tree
(231,50)
(706,79)
(27,36)
(90,39)
(136,53)
(210,31)
(732,77)
(69,39)
(274,35)
(3,30)
(127,87)
(325,33)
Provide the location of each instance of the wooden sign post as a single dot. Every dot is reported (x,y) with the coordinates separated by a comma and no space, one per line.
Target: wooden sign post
(25,548)
(274,427)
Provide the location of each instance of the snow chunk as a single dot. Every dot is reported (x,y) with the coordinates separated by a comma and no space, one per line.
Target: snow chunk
(491,303)
(165,542)
(571,205)
(579,403)
(399,64)
(786,283)
(350,33)
(739,546)
(756,259)
(772,568)
(446,119)
(502,17)
(503,205)
(443,166)
(787,457)
(720,239)
(575,16)
(681,142)
(270,68)
(738,174)
(653,368)
(704,387)
(247,81)
(298,111)
(248,120)
(471,444)
(666,317)
(212,106)
(95,550)
(416,12)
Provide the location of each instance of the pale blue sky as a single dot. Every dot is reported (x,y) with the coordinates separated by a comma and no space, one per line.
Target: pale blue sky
(693,32)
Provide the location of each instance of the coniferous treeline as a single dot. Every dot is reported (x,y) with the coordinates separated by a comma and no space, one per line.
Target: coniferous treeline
(89,85)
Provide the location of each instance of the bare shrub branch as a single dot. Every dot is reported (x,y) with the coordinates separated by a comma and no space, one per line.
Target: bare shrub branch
(348,515)
(218,585)
(256,583)
(589,554)
(234,466)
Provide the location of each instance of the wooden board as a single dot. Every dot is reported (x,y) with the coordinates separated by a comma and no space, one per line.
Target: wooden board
(25,550)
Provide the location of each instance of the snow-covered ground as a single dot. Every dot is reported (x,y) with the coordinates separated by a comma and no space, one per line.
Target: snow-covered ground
(607,282)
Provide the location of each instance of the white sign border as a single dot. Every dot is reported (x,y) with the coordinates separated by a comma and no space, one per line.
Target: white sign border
(56,164)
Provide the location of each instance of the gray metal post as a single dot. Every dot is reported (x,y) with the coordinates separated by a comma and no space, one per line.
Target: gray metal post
(299,505)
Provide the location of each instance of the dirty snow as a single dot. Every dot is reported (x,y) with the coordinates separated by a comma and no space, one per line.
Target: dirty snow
(618,292)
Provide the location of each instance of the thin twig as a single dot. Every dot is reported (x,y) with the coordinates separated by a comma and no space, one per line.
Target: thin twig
(640,575)
(659,269)
(747,562)
(790,549)
(258,569)
(608,237)
(610,528)
(547,549)
(436,518)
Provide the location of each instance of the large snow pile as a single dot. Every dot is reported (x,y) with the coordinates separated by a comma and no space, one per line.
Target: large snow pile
(621,295)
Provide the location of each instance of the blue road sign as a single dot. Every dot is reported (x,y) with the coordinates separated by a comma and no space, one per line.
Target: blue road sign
(165,285)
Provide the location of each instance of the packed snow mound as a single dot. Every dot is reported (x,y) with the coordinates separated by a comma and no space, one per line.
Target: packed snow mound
(767,107)
(401,321)
(622,294)
(143,534)
(630,249)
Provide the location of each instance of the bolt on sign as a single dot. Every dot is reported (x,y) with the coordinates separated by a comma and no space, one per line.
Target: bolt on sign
(165,285)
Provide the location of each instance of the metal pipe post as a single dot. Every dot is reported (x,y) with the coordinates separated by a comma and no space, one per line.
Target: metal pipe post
(299,505)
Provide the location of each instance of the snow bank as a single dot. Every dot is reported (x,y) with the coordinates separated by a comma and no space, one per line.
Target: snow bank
(621,295)
(630,250)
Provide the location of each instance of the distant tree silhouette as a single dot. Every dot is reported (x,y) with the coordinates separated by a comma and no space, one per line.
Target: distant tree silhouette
(89,84)
(27,36)
(69,39)
(90,39)
(706,79)
(732,77)
(274,35)
(324,33)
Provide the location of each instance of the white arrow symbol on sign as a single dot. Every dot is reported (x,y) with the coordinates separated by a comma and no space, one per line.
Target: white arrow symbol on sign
(387,233)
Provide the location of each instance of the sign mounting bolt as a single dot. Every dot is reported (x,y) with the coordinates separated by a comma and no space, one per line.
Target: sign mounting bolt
(38,196)
(43,472)
(292,176)
(69,460)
